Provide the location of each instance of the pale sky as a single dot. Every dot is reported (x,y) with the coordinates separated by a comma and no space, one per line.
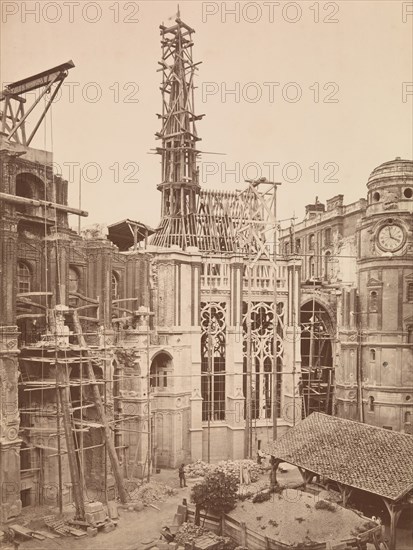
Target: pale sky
(361,61)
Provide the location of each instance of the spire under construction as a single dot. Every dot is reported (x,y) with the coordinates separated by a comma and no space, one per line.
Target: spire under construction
(180,183)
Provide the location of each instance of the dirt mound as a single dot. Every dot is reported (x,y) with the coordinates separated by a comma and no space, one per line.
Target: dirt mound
(294,517)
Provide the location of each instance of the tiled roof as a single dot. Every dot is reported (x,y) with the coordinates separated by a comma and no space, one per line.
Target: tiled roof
(351,453)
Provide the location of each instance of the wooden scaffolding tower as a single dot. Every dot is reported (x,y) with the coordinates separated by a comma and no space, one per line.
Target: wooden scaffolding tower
(58,371)
(179,185)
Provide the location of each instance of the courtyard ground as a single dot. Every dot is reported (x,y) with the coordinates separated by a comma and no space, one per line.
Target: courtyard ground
(136,530)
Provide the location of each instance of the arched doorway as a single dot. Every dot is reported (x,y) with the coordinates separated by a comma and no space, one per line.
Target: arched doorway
(317,375)
(160,373)
(164,427)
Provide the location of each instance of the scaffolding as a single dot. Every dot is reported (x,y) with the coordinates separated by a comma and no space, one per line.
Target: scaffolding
(64,406)
(317,372)
(178,134)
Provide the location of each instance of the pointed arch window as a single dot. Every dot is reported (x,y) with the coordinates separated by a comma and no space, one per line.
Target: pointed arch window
(213,360)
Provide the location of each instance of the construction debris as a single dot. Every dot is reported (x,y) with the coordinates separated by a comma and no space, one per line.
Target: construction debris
(152,492)
(189,533)
(57,525)
(200,468)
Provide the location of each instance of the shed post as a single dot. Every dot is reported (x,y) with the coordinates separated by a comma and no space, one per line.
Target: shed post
(394,511)
(243,534)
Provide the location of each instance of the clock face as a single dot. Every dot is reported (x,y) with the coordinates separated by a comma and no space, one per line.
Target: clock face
(390,237)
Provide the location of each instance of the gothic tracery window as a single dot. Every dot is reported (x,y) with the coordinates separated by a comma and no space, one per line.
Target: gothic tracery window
(213,354)
(262,337)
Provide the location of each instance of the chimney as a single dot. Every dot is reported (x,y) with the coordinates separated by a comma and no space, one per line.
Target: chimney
(311,210)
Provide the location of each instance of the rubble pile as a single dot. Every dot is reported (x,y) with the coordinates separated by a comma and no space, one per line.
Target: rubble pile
(151,492)
(188,533)
(200,468)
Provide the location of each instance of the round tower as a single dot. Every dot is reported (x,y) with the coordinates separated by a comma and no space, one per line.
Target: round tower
(385,285)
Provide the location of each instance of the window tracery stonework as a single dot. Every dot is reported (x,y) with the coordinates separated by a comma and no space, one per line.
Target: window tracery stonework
(213,355)
(262,337)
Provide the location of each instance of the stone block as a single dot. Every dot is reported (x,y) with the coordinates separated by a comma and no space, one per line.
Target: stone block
(178,519)
(113,510)
(91,531)
(91,507)
(96,517)
(182,509)
(108,527)
(138,506)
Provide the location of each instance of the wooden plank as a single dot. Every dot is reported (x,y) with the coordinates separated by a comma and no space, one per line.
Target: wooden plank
(62,380)
(37,535)
(21,531)
(47,535)
(123,495)
(77,532)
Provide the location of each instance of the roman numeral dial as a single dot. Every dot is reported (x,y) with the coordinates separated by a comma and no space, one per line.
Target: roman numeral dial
(391,237)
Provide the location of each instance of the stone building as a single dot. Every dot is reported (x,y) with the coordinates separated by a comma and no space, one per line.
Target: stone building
(156,320)
(56,288)
(376,325)
(357,302)
(195,338)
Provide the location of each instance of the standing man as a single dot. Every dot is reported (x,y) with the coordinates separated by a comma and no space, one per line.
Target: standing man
(182,480)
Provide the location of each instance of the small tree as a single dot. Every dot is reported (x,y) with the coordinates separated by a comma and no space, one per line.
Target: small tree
(217,492)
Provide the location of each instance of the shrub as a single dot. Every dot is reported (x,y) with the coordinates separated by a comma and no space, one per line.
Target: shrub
(325,505)
(261,497)
(245,495)
(300,520)
(277,489)
(217,492)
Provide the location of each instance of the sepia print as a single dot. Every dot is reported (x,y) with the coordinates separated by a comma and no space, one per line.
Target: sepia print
(206,275)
